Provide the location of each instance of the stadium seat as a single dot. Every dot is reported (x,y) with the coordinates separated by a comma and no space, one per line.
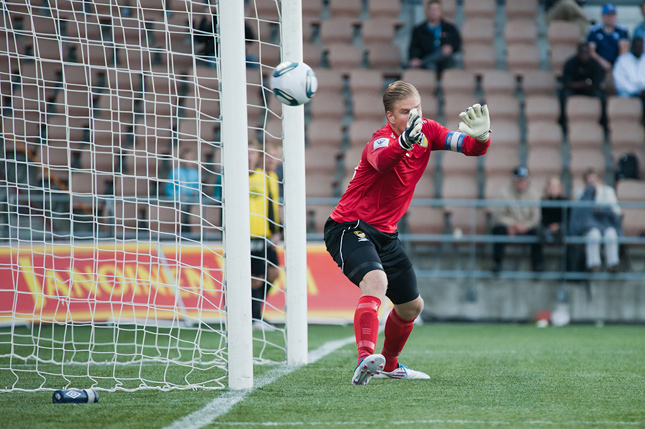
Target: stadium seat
(384,9)
(521,31)
(429,105)
(99,159)
(506,107)
(538,82)
(317,215)
(337,30)
(368,105)
(324,132)
(525,9)
(267,9)
(632,190)
(425,220)
(346,8)
(330,80)
(496,182)
(448,9)
(583,108)
(426,188)
(544,161)
(468,219)
(496,163)
(587,134)
(543,133)
(130,218)
(498,82)
(506,134)
(344,57)
(424,80)
(201,102)
(63,130)
(542,108)
(564,33)
(312,9)
(207,220)
(627,136)
(479,56)
(319,185)
(459,178)
(55,160)
(480,9)
(351,158)
(522,56)
(379,30)
(558,56)
(312,55)
(454,104)
(366,81)
(478,31)
(321,159)
(387,59)
(623,109)
(360,131)
(327,106)
(583,158)
(455,81)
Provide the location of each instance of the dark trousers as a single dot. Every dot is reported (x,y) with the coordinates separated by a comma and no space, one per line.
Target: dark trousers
(537,258)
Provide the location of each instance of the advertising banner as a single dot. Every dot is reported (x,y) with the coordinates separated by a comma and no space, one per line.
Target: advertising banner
(146,282)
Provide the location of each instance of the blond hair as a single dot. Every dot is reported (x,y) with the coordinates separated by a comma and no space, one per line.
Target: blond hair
(397,91)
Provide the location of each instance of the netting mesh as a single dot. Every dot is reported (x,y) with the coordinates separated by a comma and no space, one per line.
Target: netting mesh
(111,198)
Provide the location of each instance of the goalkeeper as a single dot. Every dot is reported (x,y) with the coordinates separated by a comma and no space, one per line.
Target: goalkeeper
(361,233)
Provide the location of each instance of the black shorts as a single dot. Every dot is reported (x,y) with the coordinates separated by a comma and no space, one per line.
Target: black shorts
(263,255)
(359,248)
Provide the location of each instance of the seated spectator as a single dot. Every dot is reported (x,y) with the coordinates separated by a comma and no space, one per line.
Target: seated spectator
(183,183)
(554,219)
(581,75)
(629,72)
(639,31)
(569,10)
(608,39)
(603,220)
(434,42)
(517,219)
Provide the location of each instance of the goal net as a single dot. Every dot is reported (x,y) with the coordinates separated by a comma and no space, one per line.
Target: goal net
(121,265)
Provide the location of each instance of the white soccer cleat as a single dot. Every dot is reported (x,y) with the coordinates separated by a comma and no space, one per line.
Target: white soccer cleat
(404,373)
(367,368)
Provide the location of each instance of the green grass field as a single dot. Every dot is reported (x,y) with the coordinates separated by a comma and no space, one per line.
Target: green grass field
(482,376)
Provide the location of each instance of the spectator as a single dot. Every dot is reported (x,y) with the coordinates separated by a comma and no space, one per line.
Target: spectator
(629,72)
(603,220)
(517,219)
(582,75)
(639,31)
(569,10)
(183,183)
(263,205)
(434,42)
(608,39)
(553,219)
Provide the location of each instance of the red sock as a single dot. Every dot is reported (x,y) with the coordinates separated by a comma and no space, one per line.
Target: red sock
(397,332)
(366,325)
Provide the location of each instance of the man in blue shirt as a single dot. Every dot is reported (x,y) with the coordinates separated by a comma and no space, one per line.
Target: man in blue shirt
(608,39)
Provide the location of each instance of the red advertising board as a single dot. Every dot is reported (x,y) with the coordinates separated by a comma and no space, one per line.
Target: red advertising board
(145,281)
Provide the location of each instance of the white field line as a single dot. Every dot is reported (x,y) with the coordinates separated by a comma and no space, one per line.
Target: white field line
(439,422)
(223,403)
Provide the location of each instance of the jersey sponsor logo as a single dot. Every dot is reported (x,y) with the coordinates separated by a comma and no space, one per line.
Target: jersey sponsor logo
(361,236)
(382,142)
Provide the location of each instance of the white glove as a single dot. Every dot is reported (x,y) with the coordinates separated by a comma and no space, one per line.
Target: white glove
(476,122)
(412,134)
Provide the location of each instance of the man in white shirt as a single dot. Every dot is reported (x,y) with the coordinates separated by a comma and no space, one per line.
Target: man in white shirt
(629,71)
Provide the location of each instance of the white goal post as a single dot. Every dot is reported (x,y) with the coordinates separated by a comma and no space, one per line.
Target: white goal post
(124,193)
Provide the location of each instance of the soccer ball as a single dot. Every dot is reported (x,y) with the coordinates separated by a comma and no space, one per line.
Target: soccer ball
(293,83)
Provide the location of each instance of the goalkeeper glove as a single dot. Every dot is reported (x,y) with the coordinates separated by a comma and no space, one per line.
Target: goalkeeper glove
(476,122)
(412,134)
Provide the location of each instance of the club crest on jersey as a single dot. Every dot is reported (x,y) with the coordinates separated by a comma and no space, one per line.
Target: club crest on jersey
(382,142)
(361,236)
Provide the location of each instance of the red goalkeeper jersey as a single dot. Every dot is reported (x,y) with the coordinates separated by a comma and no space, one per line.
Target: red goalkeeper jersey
(384,180)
